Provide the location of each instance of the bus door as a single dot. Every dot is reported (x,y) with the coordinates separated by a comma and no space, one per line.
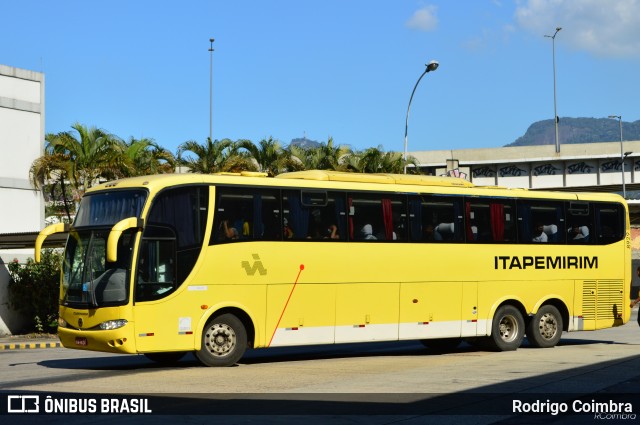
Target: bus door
(165,312)
(159,319)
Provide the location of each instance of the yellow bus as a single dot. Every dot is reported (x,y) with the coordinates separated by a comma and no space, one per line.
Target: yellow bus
(216,264)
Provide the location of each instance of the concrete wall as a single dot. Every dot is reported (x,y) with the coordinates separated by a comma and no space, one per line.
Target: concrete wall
(21,142)
(540,167)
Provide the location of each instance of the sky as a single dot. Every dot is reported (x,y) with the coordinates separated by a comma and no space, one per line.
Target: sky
(333,68)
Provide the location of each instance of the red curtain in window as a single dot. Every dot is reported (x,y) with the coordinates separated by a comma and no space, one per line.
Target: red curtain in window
(387,217)
(497,221)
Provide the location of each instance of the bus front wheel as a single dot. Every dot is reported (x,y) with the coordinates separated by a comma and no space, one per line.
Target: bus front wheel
(507,329)
(224,341)
(545,327)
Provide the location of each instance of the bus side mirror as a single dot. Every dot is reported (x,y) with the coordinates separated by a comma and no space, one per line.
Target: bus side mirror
(47,231)
(116,231)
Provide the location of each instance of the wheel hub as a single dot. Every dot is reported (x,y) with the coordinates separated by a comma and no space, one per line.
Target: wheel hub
(548,326)
(221,339)
(508,328)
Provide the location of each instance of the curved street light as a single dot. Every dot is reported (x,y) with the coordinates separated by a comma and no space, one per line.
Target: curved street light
(211,40)
(555,110)
(431,66)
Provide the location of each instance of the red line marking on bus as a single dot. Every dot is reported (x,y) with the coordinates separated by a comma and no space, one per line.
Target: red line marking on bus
(286,304)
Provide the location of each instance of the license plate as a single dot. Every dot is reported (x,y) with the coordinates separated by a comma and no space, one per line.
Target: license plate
(81,341)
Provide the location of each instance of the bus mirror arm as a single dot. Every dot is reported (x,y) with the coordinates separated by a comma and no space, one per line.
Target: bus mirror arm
(47,231)
(116,231)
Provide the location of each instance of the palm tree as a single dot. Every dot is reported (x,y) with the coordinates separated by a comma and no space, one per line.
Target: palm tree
(75,161)
(212,157)
(52,170)
(375,160)
(270,157)
(144,157)
(324,157)
(93,154)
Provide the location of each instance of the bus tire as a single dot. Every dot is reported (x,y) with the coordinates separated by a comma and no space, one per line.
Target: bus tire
(545,327)
(224,341)
(441,344)
(166,358)
(507,329)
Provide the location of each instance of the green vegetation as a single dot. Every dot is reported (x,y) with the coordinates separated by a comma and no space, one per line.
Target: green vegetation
(34,288)
(75,160)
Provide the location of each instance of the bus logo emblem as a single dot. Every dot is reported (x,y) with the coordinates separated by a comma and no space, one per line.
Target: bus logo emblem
(257,266)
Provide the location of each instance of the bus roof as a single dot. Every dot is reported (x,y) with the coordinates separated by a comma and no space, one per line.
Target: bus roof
(332,179)
(411,179)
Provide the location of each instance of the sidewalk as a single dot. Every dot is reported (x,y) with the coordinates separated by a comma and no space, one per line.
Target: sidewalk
(27,342)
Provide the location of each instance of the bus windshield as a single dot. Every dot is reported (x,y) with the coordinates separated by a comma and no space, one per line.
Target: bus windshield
(88,279)
(108,208)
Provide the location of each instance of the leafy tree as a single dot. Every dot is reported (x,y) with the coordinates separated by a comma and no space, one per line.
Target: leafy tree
(324,157)
(269,155)
(375,160)
(213,157)
(34,290)
(51,171)
(91,153)
(140,157)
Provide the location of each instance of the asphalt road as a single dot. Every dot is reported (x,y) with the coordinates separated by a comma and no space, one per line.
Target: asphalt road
(378,383)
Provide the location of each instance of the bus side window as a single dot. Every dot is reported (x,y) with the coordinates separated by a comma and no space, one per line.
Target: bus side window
(377,217)
(535,217)
(325,213)
(245,214)
(491,220)
(611,224)
(436,218)
(183,211)
(579,223)
(156,267)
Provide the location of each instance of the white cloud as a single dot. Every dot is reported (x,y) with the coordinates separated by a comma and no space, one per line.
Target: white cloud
(424,19)
(603,28)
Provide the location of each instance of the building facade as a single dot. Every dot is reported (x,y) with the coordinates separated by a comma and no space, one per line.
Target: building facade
(21,142)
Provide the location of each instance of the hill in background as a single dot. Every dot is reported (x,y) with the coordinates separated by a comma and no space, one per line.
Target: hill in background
(570,131)
(578,130)
(305,143)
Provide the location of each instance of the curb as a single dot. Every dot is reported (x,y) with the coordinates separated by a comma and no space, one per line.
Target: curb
(29,345)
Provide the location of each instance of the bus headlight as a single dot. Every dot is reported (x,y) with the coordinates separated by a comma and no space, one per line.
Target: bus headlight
(112,324)
(62,323)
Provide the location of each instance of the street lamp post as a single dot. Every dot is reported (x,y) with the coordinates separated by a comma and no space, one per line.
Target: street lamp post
(211,40)
(431,66)
(555,110)
(623,154)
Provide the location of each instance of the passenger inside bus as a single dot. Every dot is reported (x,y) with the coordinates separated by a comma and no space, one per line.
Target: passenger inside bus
(539,234)
(287,232)
(443,231)
(228,232)
(579,234)
(332,232)
(366,233)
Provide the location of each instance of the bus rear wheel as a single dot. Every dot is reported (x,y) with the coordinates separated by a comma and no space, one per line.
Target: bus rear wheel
(545,328)
(224,341)
(507,329)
